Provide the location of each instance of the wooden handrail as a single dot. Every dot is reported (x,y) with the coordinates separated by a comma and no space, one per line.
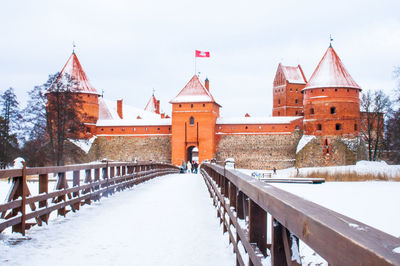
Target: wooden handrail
(339,239)
(108,178)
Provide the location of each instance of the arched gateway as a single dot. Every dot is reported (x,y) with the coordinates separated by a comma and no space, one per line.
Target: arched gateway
(194,115)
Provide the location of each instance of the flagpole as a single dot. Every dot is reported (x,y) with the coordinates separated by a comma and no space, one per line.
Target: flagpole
(195,63)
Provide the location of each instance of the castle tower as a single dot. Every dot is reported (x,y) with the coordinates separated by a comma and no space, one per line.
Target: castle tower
(287,96)
(153,105)
(86,93)
(194,115)
(331,99)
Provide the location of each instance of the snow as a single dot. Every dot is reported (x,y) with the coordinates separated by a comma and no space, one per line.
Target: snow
(257,120)
(362,167)
(169,220)
(135,122)
(374,203)
(293,74)
(18,163)
(151,105)
(303,142)
(75,70)
(194,91)
(331,72)
(396,250)
(84,144)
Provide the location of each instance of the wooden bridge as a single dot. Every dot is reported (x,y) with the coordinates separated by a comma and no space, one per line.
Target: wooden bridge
(244,207)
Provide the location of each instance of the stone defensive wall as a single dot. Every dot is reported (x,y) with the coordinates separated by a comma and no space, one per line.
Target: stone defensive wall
(263,151)
(128,148)
(342,151)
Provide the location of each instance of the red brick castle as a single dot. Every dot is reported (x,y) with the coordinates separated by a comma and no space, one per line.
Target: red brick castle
(314,122)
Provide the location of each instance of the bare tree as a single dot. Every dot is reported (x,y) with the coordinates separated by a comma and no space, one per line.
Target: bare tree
(374,105)
(393,124)
(64,114)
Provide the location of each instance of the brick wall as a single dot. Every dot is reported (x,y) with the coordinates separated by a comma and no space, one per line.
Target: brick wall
(259,151)
(157,148)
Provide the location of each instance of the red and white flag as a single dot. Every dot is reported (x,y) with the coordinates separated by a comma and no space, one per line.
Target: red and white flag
(202,54)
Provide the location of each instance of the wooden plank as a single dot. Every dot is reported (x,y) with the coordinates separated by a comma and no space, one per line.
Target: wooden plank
(315,225)
(258,227)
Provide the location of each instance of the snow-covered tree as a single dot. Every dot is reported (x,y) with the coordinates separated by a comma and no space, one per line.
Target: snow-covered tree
(10,122)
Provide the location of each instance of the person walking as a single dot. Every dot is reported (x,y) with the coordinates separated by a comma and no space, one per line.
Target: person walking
(196,165)
(189,167)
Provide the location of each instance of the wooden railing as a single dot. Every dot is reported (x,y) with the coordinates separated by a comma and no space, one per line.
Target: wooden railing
(101,179)
(340,240)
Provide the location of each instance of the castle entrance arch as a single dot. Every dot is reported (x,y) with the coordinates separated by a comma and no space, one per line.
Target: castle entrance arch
(192,154)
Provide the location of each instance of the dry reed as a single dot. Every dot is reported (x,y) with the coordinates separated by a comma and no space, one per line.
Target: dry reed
(351,176)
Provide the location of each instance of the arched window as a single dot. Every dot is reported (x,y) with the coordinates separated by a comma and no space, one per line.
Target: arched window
(333,110)
(191,121)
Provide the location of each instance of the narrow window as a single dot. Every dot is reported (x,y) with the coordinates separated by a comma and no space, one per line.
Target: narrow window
(134,129)
(158,129)
(297,112)
(333,110)
(191,121)
(279,113)
(296,89)
(335,89)
(348,90)
(312,111)
(323,90)
(112,129)
(246,127)
(191,106)
(338,126)
(326,142)
(355,127)
(204,105)
(296,101)
(279,101)
(180,105)
(319,127)
(102,129)
(123,129)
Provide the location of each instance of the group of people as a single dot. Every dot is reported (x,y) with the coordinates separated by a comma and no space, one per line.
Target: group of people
(189,167)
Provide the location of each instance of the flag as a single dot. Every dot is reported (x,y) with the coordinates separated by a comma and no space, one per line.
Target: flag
(202,54)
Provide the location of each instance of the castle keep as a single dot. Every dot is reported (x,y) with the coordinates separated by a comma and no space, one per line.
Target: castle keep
(318,117)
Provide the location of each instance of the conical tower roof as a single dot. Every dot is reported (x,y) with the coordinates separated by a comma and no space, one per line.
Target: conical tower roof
(74,69)
(193,92)
(331,72)
(151,106)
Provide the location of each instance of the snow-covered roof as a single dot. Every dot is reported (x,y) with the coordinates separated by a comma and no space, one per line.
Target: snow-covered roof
(257,120)
(194,91)
(331,72)
(108,115)
(294,74)
(151,106)
(135,122)
(74,69)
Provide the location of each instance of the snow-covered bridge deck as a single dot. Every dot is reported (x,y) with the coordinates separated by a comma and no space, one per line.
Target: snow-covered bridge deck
(169,220)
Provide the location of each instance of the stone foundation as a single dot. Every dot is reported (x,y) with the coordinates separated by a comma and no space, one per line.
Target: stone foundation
(157,148)
(341,151)
(259,151)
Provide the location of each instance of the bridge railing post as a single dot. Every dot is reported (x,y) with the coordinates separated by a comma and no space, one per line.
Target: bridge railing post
(43,188)
(76,181)
(88,180)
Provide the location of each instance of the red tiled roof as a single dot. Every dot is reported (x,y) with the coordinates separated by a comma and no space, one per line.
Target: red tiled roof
(75,70)
(294,74)
(151,105)
(331,72)
(194,91)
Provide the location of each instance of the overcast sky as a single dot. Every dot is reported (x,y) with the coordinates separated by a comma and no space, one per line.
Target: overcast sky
(127,48)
